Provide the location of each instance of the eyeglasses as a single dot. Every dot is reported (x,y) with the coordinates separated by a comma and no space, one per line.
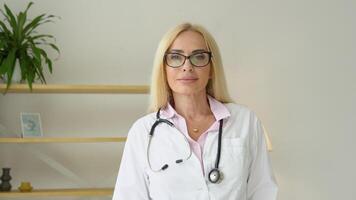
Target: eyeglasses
(175,60)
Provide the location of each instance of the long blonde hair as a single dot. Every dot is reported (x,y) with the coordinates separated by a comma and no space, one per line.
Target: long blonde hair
(160,93)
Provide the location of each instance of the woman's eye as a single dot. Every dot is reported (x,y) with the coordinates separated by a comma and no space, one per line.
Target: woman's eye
(200,56)
(175,57)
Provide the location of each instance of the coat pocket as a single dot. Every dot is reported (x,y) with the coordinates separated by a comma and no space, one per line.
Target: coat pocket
(232,158)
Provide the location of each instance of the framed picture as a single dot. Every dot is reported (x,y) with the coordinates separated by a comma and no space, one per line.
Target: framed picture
(31,125)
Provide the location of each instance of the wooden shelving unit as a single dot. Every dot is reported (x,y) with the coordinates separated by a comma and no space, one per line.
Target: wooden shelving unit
(68,89)
(76,89)
(60,192)
(63,140)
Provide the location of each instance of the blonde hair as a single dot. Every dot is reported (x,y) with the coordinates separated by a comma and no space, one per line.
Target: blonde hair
(160,93)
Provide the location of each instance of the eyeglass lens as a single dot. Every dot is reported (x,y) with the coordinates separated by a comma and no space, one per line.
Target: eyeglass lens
(197,59)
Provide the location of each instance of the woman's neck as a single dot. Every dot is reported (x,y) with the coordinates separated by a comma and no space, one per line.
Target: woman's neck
(191,106)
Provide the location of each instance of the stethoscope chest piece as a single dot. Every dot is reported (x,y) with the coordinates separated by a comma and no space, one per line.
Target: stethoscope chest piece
(215,176)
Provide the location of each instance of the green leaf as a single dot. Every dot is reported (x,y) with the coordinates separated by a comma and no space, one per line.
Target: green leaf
(54,47)
(39,72)
(21,19)
(28,7)
(1,61)
(25,13)
(33,24)
(42,19)
(48,61)
(8,63)
(36,54)
(28,32)
(11,18)
(4,27)
(23,67)
(2,42)
(41,36)
(31,73)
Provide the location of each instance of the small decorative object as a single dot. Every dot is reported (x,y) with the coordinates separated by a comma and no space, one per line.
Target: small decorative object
(5,180)
(25,187)
(21,47)
(31,125)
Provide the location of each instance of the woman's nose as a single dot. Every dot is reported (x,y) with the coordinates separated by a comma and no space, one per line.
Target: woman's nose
(187,66)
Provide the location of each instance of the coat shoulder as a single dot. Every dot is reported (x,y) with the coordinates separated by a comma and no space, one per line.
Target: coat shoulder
(144,123)
(238,110)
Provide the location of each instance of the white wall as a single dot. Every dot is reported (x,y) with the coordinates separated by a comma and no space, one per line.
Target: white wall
(292,62)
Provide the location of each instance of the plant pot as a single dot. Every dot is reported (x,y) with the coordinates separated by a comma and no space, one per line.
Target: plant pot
(16,75)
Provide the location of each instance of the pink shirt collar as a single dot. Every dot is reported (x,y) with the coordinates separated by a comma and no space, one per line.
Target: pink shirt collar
(217,108)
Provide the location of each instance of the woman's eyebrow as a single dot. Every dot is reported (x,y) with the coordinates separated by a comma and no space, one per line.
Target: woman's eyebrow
(176,50)
(181,51)
(199,50)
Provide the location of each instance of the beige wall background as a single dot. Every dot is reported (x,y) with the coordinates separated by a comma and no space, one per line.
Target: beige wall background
(292,62)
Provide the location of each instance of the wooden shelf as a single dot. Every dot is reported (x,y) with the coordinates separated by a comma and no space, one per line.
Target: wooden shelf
(63,140)
(75,89)
(60,192)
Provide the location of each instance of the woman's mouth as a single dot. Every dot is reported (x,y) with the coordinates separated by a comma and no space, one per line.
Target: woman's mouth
(187,80)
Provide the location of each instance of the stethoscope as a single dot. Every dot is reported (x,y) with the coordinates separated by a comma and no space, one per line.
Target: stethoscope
(215,176)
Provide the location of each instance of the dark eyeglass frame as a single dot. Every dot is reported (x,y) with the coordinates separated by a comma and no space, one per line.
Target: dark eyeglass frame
(187,57)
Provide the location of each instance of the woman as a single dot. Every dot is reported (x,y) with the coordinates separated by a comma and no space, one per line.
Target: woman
(195,144)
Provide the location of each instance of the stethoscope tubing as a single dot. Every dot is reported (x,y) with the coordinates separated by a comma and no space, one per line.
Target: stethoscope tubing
(165,166)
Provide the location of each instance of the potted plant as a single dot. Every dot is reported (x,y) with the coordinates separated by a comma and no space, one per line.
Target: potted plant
(21,43)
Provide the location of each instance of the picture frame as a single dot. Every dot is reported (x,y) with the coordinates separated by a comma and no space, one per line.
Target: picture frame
(31,125)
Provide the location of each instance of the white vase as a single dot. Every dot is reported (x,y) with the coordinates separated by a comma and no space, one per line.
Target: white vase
(16,75)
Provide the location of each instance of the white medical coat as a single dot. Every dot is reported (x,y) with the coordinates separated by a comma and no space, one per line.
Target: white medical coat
(244,162)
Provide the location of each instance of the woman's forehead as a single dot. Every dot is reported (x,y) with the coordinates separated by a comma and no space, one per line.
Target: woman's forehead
(188,41)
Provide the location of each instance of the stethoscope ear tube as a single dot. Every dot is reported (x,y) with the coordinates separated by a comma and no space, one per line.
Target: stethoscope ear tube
(158,121)
(151,133)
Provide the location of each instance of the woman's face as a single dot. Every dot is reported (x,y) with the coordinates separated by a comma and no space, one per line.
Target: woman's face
(188,79)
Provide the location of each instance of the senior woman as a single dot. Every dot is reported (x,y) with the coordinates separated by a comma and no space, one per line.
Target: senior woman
(195,143)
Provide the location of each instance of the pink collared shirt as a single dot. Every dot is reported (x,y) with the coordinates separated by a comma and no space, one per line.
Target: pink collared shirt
(219,111)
